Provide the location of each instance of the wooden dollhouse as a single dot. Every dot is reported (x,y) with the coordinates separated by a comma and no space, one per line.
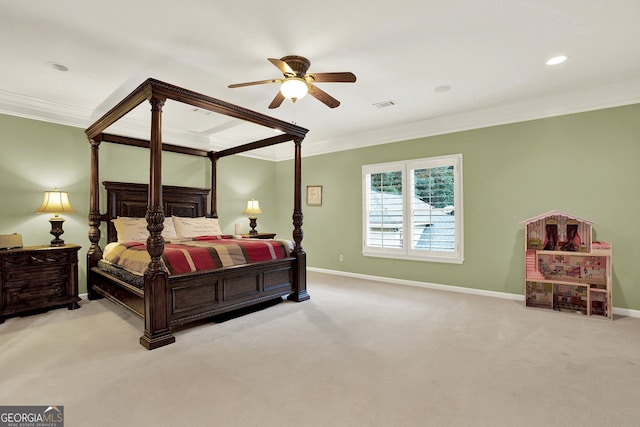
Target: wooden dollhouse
(564,269)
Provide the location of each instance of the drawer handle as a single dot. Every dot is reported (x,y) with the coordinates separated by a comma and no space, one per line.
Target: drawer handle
(41,260)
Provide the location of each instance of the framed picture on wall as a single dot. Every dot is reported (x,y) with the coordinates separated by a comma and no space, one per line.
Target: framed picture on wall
(314,195)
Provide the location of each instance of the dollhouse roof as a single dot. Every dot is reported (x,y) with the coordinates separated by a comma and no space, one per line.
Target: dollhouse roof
(555,213)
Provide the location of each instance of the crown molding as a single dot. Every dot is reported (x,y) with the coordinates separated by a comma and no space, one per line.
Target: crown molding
(596,98)
(16,104)
(19,105)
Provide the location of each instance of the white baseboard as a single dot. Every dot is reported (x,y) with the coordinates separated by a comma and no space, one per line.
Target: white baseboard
(503,295)
(626,312)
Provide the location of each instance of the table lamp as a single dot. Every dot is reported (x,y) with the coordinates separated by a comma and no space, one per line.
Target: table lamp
(253,208)
(56,202)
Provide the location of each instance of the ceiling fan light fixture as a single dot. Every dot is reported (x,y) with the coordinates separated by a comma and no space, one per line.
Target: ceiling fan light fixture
(297,83)
(294,88)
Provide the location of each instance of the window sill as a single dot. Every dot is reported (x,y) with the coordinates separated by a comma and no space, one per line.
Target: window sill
(445,260)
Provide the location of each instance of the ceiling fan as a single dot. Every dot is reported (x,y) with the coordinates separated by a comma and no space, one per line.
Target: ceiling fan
(297,83)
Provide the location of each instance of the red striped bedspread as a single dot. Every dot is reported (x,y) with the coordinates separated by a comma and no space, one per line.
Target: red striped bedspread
(198,254)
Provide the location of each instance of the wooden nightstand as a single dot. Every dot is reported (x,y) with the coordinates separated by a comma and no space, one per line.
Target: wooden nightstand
(260,236)
(38,277)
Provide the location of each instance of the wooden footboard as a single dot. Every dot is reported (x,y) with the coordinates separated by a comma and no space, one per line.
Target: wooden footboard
(197,296)
(191,297)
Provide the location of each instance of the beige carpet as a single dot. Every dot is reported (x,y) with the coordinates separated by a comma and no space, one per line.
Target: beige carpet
(359,353)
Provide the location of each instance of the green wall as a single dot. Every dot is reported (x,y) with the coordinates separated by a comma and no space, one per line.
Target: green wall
(584,164)
(38,156)
(240,179)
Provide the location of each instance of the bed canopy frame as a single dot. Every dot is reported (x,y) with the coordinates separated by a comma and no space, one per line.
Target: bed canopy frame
(158,297)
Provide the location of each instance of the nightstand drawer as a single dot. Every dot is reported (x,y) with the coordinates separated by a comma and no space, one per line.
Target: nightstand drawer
(30,259)
(38,278)
(43,293)
(35,276)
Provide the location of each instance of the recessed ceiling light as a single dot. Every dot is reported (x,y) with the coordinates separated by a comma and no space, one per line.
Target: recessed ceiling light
(556,60)
(442,89)
(57,67)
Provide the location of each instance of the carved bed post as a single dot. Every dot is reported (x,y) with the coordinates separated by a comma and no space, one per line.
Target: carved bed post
(94,254)
(156,277)
(300,267)
(214,185)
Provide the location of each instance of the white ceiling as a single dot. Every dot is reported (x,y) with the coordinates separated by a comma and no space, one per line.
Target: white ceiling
(491,53)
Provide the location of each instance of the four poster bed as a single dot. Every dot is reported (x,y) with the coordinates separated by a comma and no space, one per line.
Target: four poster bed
(173,288)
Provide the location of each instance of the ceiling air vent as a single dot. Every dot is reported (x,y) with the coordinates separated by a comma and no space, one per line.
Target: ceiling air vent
(201,111)
(385,104)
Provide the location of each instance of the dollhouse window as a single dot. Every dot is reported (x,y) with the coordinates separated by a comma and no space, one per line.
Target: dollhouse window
(413,209)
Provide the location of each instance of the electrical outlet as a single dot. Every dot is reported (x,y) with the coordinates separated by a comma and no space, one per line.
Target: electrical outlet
(341,257)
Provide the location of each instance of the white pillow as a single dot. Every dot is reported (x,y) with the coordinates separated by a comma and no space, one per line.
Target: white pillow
(194,227)
(169,231)
(131,229)
(135,229)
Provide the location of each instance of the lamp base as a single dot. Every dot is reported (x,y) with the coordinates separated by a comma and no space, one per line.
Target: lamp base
(56,231)
(253,223)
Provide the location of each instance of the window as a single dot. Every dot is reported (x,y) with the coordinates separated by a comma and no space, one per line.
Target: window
(413,209)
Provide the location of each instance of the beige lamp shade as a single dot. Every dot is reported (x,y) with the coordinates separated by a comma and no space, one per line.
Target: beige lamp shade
(253,207)
(55,202)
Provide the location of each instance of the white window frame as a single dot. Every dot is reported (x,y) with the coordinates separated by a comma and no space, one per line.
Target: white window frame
(406,252)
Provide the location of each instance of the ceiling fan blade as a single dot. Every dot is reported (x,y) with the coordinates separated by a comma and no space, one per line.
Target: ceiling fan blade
(259,82)
(282,66)
(343,77)
(323,96)
(277,101)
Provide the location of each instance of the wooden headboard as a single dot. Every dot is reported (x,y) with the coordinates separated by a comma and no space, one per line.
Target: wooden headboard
(126,199)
